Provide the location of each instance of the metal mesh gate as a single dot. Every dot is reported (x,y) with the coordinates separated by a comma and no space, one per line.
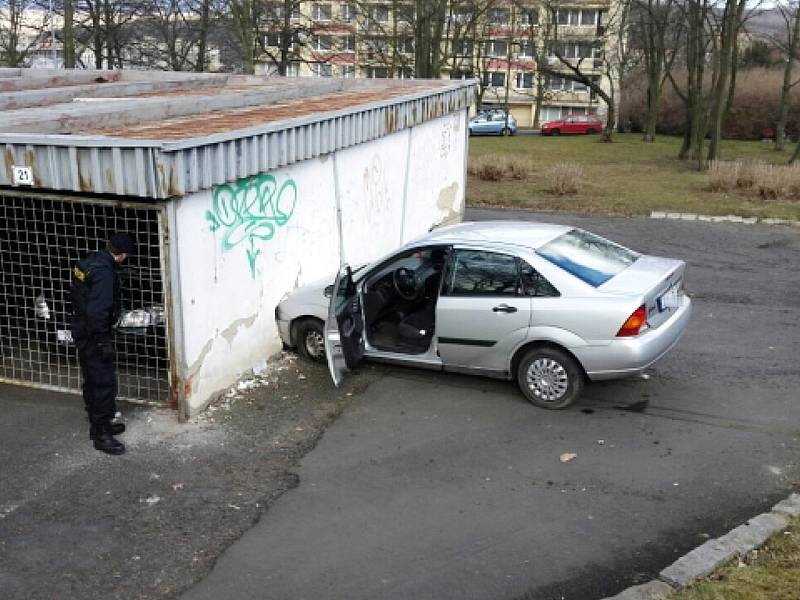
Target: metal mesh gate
(41,238)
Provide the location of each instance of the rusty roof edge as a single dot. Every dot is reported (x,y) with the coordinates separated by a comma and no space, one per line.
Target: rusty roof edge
(184,144)
(76,141)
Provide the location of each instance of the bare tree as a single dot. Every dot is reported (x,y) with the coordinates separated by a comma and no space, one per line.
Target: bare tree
(654,31)
(790,13)
(20,31)
(171,34)
(725,40)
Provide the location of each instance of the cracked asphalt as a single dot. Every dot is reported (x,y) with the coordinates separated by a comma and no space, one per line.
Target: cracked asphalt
(429,485)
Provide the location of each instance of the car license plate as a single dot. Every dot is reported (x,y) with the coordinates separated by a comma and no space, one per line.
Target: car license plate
(64,336)
(669,300)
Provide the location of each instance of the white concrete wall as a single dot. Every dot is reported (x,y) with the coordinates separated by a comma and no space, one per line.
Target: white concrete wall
(243,246)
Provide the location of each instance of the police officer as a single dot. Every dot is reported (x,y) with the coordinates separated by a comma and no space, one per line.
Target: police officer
(95,310)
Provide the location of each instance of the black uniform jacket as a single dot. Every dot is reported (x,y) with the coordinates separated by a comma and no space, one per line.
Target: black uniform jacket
(95,298)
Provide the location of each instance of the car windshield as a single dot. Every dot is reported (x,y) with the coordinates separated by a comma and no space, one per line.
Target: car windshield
(588,257)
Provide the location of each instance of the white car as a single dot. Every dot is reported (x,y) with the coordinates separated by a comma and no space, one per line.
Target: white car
(547,305)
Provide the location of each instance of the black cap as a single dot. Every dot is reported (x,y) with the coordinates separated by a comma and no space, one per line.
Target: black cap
(121,243)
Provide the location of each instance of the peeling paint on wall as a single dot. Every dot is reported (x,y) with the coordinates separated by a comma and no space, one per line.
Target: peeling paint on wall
(249,211)
(229,333)
(449,203)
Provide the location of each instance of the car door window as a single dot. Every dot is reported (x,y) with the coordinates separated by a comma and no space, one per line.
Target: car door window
(533,283)
(481,273)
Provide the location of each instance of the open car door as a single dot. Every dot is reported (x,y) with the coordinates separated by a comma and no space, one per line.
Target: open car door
(344,329)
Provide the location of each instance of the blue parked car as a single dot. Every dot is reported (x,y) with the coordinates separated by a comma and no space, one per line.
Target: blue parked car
(493,123)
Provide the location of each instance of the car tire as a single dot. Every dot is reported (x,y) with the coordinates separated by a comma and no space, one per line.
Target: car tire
(590,132)
(549,378)
(555,132)
(505,132)
(309,337)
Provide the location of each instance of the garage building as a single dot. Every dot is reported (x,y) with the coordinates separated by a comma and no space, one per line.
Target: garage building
(237,190)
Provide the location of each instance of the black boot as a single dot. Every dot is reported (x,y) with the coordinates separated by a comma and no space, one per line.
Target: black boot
(116,429)
(104,440)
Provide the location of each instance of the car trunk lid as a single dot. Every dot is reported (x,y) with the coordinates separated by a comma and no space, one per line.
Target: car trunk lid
(657,281)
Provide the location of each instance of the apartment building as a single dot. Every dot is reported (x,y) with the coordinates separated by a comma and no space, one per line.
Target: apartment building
(516,49)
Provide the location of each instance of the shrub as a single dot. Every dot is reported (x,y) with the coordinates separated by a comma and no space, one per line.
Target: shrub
(723,176)
(486,169)
(563,178)
(755,104)
(772,182)
(518,168)
(748,172)
(493,168)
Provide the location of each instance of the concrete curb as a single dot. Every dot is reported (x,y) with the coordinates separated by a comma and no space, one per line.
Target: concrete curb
(721,219)
(704,559)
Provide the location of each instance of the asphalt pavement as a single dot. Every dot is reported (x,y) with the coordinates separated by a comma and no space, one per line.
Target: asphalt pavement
(442,486)
(427,485)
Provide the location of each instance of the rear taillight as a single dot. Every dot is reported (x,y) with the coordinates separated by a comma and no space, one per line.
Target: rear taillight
(634,324)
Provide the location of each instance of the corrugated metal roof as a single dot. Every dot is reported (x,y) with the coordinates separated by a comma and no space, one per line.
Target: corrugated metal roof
(160,134)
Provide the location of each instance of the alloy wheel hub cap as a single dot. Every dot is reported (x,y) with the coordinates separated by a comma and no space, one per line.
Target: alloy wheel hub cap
(315,344)
(547,379)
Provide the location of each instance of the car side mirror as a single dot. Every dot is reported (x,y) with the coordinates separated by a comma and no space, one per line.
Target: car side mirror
(328,291)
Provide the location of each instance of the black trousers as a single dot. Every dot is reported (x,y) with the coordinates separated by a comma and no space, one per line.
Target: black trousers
(99,383)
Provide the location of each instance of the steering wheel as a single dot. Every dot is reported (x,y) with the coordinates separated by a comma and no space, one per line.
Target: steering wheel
(406,283)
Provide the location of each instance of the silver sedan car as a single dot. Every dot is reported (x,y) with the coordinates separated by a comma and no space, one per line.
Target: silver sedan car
(548,305)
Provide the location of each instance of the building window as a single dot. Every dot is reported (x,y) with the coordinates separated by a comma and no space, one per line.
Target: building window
(380,13)
(529,16)
(321,69)
(496,48)
(500,16)
(524,81)
(348,72)
(349,43)
(588,17)
(377,72)
(273,39)
(495,79)
(293,69)
(322,42)
(461,75)
(322,11)
(347,13)
(526,50)
(463,48)
(405,45)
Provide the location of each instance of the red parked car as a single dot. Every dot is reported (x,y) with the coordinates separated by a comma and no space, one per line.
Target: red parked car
(573,124)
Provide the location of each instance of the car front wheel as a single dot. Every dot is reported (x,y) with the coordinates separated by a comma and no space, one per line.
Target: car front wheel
(549,378)
(310,339)
(555,132)
(506,131)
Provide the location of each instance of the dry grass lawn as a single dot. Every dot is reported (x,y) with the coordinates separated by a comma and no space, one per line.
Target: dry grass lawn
(771,573)
(624,177)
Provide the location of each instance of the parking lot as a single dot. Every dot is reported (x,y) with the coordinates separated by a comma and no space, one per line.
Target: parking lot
(433,485)
(445,486)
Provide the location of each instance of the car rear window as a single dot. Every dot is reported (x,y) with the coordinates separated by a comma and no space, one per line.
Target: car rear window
(588,257)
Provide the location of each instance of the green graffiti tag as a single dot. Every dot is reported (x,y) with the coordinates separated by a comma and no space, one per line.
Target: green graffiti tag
(250,210)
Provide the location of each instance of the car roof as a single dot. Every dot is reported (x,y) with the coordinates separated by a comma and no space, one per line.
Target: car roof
(530,234)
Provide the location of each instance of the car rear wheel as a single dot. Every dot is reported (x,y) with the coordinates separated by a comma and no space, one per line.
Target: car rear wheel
(549,378)
(555,132)
(309,336)
(506,131)
(590,132)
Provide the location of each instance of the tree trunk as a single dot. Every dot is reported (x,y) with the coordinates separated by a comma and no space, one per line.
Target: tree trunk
(651,114)
(786,88)
(69,34)
(202,42)
(108,18)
